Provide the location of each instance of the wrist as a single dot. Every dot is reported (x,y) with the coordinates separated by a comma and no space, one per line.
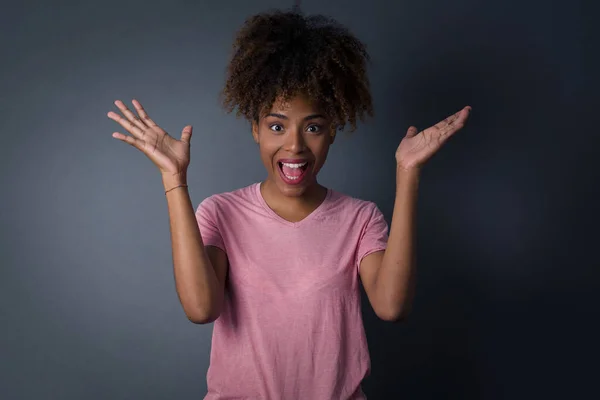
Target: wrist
(407,176)
(407,171)
(171,180)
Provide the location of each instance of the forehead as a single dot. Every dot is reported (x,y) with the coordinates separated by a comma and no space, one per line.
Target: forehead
(295,104)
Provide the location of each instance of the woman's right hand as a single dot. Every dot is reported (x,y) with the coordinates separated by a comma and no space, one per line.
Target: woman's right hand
(170,155)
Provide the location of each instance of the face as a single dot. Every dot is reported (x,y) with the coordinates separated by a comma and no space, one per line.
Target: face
(294,139)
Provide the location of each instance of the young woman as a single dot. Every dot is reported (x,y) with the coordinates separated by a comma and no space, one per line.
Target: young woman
(276,265)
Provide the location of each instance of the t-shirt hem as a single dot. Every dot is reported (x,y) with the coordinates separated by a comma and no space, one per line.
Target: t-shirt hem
(215,244)
(374,250)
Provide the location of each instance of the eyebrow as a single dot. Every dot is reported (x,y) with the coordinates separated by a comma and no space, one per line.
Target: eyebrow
(308,117)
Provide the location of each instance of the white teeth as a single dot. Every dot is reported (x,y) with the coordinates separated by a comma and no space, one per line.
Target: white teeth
(295,165)
(292,178)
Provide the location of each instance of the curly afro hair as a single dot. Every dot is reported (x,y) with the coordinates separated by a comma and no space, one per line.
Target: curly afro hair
(284,53)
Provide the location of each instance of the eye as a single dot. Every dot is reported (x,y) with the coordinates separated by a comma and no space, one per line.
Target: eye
(276,128)
(314,128)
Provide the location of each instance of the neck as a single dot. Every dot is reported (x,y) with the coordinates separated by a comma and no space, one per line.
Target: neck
(308,201)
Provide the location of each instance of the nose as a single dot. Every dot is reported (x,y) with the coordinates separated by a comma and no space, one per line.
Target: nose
(294,141)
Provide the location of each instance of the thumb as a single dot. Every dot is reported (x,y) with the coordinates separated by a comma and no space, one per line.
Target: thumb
(412,131)
(186,134)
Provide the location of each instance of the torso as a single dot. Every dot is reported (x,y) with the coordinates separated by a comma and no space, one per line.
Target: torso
(291,327)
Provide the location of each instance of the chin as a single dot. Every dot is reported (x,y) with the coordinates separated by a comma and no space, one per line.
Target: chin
(292,191)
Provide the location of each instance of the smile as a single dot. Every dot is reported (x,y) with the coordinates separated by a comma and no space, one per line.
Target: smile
(293,173)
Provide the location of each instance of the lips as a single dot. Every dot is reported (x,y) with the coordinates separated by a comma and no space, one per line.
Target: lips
(292,160)
(293,171)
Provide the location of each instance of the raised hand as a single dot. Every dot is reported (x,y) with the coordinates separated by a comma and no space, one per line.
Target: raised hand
(416,148)
(171,156)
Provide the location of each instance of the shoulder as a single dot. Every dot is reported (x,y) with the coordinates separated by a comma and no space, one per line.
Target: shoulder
(353,205)
(228,200)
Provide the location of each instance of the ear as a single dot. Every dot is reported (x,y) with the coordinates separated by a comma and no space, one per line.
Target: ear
(332,134)
(255,131)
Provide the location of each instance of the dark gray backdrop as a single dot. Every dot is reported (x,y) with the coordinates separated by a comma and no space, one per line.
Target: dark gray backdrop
(88,308)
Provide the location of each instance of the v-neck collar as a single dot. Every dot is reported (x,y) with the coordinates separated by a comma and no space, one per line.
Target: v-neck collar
(284,221)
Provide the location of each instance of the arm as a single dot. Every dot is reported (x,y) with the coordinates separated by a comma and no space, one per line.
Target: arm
(199,271)
(389,276)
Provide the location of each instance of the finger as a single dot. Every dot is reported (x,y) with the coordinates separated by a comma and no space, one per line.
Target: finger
(142,113)
(447,122)
(412,131)
(450,125)
(127,124)
(128,139)
(186,134)
(130,115)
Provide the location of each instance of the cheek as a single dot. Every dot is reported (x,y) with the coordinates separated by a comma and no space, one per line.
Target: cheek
(320,152)
(267,152)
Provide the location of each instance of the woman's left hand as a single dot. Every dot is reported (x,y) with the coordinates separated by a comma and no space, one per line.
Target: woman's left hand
(417,147)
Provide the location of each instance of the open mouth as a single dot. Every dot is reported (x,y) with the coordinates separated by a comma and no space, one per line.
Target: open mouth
(293,172)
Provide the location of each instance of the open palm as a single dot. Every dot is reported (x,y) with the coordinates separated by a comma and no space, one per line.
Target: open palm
(416,148)
(170,155)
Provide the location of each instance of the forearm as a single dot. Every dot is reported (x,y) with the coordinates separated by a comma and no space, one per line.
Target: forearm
(196,282)
(396,277)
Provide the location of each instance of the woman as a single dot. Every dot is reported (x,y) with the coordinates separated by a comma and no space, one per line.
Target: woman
(276,264)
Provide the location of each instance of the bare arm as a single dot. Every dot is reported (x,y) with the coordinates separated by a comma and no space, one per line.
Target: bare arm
(389,277)
(199,271)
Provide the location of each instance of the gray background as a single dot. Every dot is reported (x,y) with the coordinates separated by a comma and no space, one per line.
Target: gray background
(88,307)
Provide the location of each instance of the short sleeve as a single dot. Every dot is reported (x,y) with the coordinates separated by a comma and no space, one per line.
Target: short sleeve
(374,236)
(206,215)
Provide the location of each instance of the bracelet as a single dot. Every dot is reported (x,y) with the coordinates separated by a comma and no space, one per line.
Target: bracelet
(182,185)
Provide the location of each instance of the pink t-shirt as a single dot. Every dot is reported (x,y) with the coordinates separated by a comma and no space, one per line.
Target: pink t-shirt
(291,327)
